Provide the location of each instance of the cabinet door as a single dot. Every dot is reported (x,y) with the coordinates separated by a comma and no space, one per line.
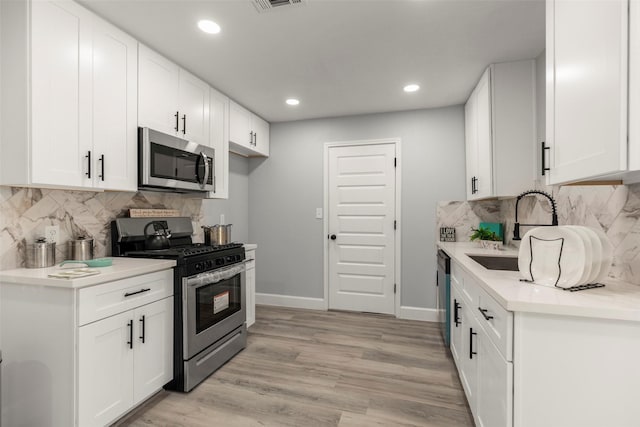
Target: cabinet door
(587,88)
(105,369)
(115,92)
(240,131)
(194,109)
(469,356)
(494,404)
(157,92)
(153,344)
(260,135)
(484,138)
(60,71)
(219,141)
(251,292)
(634,85)
(457,325)
(471,145)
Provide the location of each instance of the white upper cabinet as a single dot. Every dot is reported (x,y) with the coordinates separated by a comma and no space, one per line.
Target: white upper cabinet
(248,133)
(219,141)
(170,99)
(586,97)
(114,114)
(70,96)
(500,131)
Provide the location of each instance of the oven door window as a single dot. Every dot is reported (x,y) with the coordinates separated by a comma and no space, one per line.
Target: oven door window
(217,301)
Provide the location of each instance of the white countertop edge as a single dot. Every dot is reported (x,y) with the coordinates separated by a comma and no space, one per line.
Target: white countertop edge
(122,268)
(250,246)
(616,301)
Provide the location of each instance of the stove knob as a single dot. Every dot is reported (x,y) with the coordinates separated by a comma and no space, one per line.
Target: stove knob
(229,258)
(219,261)
(209,264)
(199,266)
(238,257)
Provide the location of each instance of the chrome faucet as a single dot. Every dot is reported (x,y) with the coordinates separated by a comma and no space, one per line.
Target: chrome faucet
(554,213)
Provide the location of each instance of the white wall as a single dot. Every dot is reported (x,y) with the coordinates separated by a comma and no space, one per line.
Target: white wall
(286,189)
(236,208)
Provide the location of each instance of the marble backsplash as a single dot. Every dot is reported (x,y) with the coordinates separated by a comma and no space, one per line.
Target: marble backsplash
(613,209)
(25,212)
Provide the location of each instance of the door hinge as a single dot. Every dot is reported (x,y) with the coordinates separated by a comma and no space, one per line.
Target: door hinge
(394,288)
(395,224)
(395,162)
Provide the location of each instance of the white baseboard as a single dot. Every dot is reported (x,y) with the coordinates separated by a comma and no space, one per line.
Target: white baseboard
(418,313)
(291,301)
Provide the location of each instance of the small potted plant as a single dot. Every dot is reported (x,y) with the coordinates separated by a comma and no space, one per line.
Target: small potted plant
(488,239)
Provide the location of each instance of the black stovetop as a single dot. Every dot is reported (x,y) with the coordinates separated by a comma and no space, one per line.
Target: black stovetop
(182,251)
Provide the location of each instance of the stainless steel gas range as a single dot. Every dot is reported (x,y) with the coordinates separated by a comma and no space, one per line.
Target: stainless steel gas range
(209,295)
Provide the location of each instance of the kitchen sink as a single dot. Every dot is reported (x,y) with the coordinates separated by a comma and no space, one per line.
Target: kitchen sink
(508,263)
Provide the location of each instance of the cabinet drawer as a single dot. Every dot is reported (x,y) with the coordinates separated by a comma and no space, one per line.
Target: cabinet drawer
(497,323)
(250,254)
(107,299)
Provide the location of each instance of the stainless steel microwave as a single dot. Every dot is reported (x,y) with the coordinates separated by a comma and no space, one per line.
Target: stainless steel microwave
(166,162)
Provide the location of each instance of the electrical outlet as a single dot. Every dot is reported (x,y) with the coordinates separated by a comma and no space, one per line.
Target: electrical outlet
(318,213)
(51,233)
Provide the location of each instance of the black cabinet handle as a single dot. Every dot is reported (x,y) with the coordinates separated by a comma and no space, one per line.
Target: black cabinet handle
(177,116)
(101,160)
(128,294)
(456,317)
(333,237)
(484,313)
(251,138)
(471,334)
(474,185)
(88,157)
(544,161)
(130,326)
(142,326)
(184,124)
(255,139)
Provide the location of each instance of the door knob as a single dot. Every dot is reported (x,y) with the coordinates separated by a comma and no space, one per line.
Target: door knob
(333,237)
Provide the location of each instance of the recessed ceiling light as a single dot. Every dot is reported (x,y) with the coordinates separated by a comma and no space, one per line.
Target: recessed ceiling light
(411,88)
(208,26)
(292,101)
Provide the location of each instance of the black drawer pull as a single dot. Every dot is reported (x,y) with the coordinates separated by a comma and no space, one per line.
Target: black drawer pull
(484,313)
(130,325)
(128,294)
(456,317)
(471,334)
(142,320)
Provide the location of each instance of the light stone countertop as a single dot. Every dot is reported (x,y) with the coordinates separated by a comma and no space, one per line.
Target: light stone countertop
(250,246)
(616,301)
(122,268)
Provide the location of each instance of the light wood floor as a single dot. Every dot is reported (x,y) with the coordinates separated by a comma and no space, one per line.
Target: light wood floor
(311,368)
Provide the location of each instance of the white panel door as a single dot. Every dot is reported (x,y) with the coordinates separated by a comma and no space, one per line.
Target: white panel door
(105,369)
(587,56)
(60,69)
(115,99)
(157,92)
(153,344)
(194,109)
(361,217)
(260,135)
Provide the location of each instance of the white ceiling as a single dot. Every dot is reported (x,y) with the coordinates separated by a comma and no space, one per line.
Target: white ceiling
(339,57)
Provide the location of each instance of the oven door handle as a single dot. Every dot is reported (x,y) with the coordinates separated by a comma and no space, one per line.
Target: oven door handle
(215,276)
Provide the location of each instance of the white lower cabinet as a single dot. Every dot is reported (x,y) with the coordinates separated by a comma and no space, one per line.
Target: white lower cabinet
(99,350)
(251,286)
(123,359)
(477,324)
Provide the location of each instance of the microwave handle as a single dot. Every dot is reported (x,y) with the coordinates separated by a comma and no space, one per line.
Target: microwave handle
(204,159)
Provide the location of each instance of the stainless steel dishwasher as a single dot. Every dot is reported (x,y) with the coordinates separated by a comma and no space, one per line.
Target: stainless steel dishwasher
(443,282)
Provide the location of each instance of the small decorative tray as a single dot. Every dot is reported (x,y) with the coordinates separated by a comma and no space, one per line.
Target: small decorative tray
(75,273)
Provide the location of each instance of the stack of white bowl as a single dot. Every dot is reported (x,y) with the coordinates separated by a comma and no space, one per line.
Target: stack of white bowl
(565,256)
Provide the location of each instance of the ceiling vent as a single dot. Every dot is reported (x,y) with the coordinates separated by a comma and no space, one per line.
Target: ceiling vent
(267,5)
